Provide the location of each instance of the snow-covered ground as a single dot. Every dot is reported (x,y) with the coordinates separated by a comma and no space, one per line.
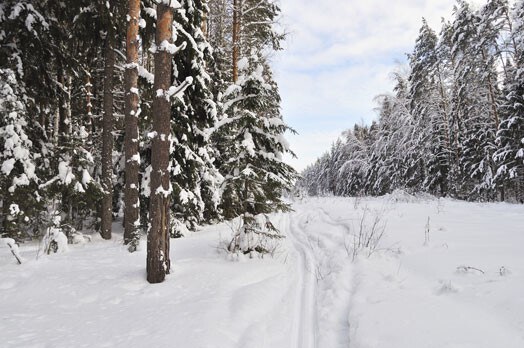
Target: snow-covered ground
(455,281)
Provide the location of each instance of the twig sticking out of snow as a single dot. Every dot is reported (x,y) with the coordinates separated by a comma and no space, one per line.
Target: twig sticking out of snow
(9,242)
(503,271)
(426,233)
(468,269)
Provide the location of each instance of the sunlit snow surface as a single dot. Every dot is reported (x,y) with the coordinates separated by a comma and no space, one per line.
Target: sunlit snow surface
(411,291)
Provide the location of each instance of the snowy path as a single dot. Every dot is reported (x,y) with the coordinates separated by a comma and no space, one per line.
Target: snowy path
(306,310)
(406,294)
(315,237)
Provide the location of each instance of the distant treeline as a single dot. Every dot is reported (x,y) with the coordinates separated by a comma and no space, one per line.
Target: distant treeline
(454,124)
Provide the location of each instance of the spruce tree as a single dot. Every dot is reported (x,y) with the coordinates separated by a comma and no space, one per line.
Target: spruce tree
(193,113)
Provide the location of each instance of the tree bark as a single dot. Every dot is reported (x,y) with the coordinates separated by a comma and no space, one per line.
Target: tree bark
(236,20)
(491,94)
(69,112)
(62,108)
(131,203)
(107,138)
(89,108)
(158,263)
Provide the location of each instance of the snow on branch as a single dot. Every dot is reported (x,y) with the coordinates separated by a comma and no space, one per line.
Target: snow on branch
(229,103)
(176,91)
(174,4)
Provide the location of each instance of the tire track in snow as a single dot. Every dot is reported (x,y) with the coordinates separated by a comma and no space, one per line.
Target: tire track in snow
(306,323)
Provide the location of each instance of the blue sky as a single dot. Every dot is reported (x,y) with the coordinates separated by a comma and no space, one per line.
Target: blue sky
(338,57)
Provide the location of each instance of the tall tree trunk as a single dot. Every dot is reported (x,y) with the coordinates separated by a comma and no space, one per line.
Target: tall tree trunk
(515,47)
(131,203)
(204,24)
(158,263)
(236,20)
(491,94)
(56,124)
(43,118)
(62,108)
(89,108)
(69,111)
(107,138)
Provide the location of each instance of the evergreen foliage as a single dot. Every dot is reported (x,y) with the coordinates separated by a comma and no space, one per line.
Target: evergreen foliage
(225,135)
(454,124)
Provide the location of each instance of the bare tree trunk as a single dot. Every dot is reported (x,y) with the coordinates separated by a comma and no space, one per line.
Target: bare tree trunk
(444,109)
(89,108)
(69,111)
(131,203)
(107,138)
(492,95)
(62,108)
(236,20)
(43,118)
(515,47)
(158,263)
(56,124)
(204,24)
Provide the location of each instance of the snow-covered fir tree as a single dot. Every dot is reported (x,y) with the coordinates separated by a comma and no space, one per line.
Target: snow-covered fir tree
(255,174)
(195,179)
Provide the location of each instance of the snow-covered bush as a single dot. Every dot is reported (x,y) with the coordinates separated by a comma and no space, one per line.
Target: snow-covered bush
(55,239)
(178,228)
(255,235)
(18,159)
(73,185)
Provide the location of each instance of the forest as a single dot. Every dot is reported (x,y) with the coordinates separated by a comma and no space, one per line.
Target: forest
(454,124)
(147,196)
(163,115)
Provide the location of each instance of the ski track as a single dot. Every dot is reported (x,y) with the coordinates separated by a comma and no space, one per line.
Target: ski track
(306,322)
(317,237)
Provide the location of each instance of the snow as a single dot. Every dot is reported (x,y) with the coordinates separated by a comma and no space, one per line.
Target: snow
(243,64)
(142,72)
(177,91)
(86,177)
(455,281)
(171,48)
(134,158)
(8,166)
(14,209)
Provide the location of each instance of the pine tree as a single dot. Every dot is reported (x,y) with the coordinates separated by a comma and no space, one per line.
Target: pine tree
(132,157)
(158,262)
(510,153)
(107,136)
(474,105)
(429,111)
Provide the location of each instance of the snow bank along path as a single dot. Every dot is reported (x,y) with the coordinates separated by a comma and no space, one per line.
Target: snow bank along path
(462,288)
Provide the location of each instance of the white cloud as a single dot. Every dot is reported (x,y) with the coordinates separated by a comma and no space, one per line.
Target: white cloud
(338,57)
(309,142)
